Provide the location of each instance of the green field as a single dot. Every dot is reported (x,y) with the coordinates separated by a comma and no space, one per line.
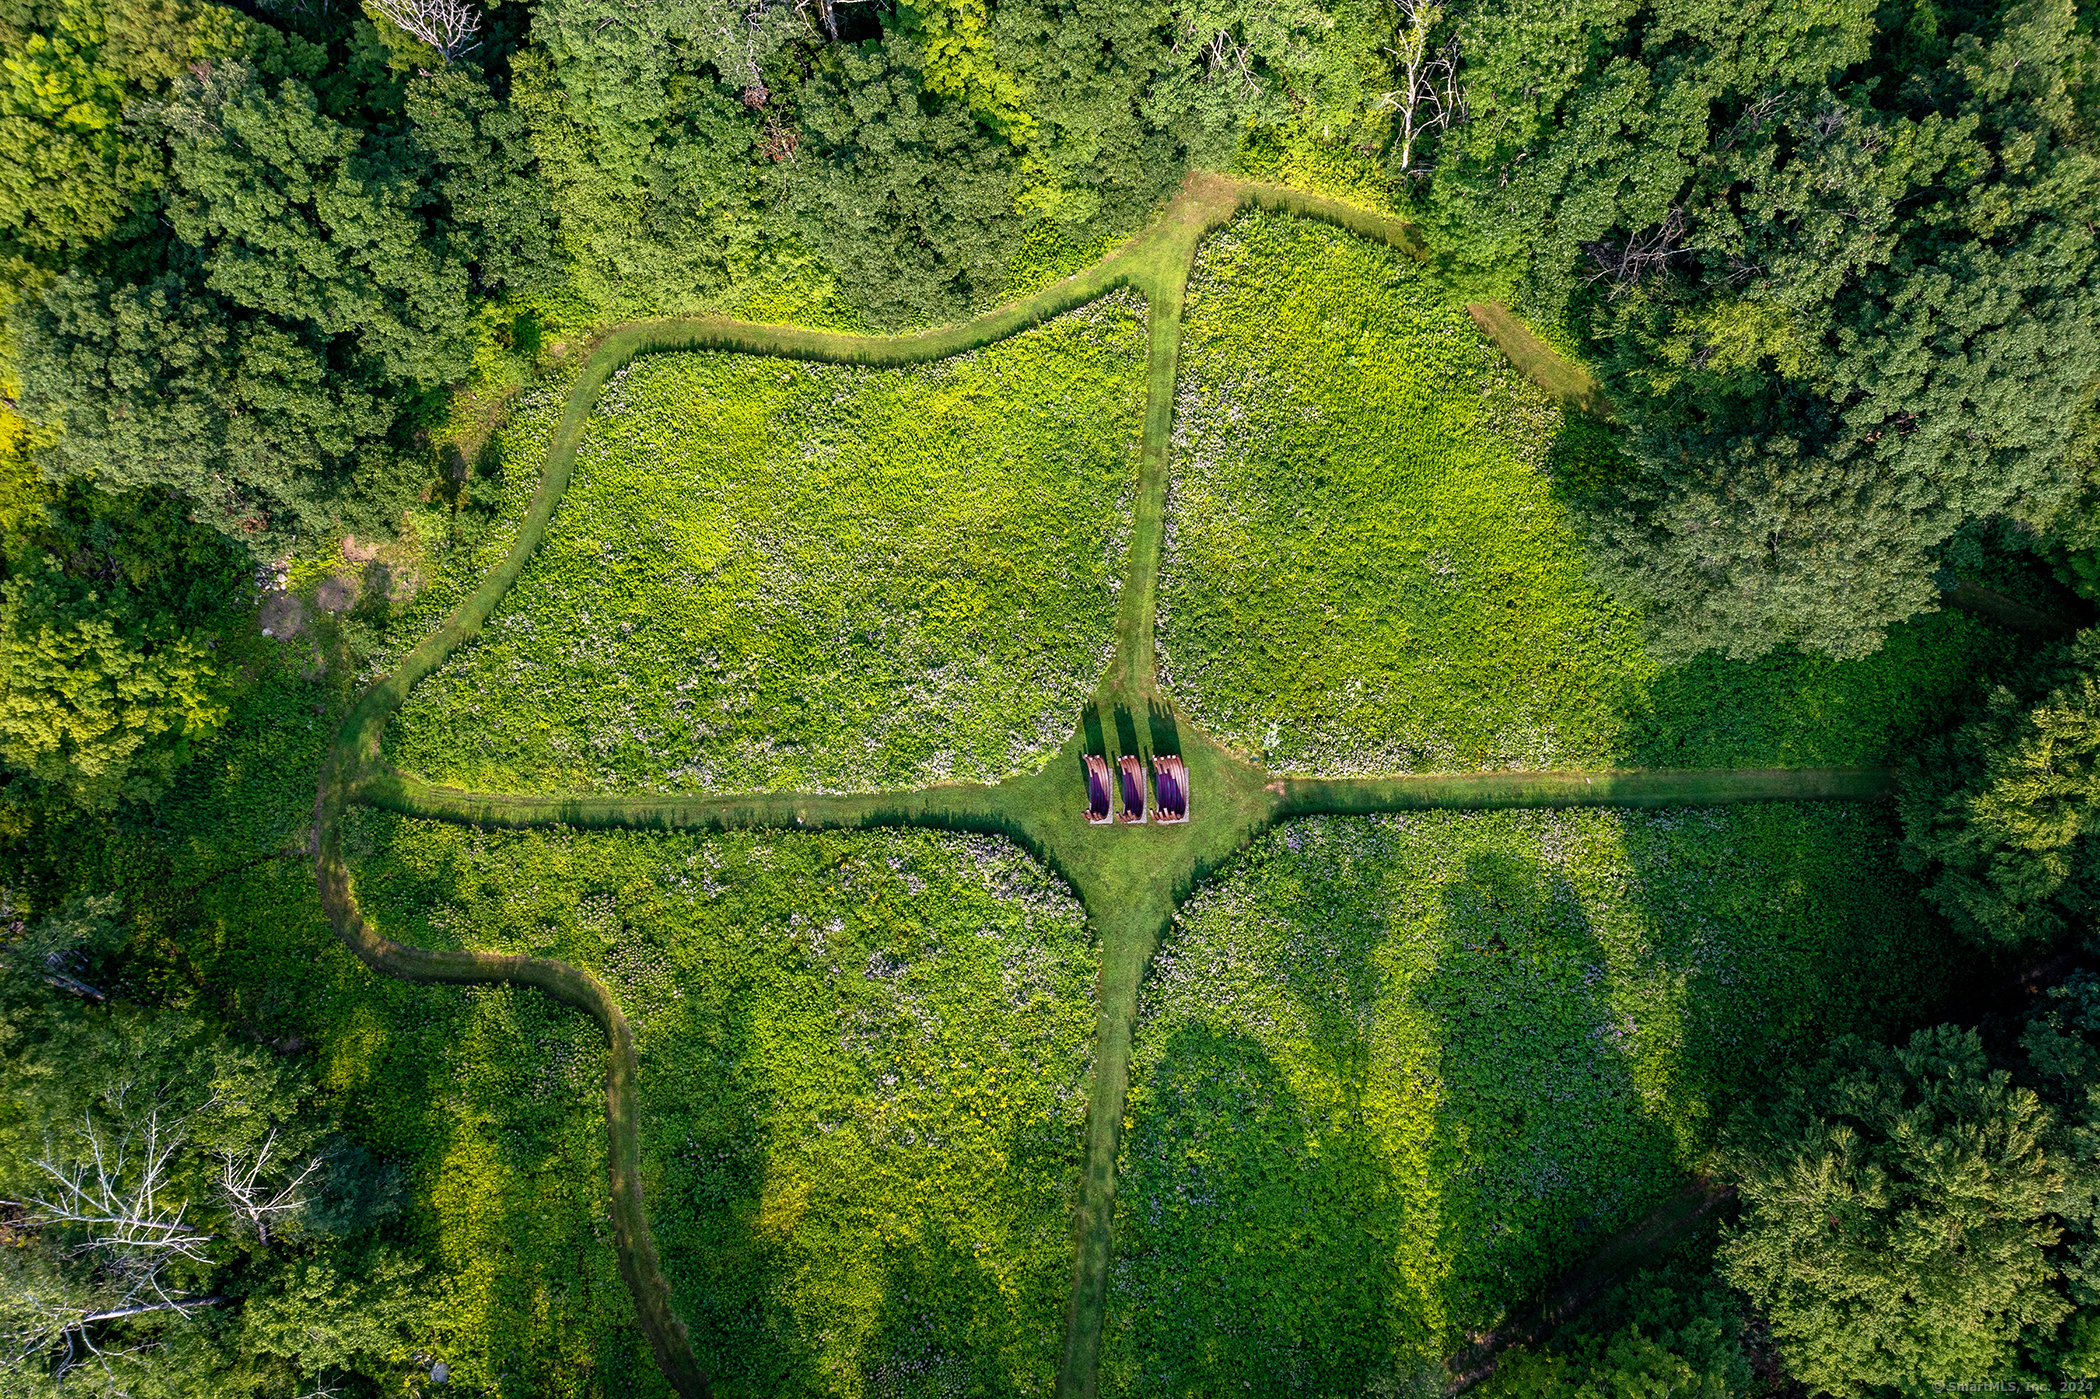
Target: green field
(1367,569)
(863,1061)
(1390,1073)
(769,574)
(1395,1073)
(1419,1065)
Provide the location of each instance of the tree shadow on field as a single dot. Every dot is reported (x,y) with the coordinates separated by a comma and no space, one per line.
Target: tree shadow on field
(513,1161)
(497,1094)
(771,1250)
(706,1122)
(1334,975)
(1545,1143)
(1090,727)
(1779,927)
(946,1324)
(1789,708)
(1250,1258)
(1126,732)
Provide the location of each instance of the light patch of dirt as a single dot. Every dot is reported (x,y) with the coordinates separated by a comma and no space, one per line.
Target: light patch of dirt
(281,615)
(337,593)
(390,569)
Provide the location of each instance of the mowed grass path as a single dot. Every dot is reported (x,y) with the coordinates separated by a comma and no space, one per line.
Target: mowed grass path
(775,575)
(1368,570)
(1418,1065)
(863,1066)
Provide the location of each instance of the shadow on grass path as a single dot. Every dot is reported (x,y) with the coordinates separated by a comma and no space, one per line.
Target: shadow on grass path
(1130,878)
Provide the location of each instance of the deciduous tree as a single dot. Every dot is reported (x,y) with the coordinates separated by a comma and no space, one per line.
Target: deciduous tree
(1999,816)
(1839,275)
(84,708)
(1899,1215)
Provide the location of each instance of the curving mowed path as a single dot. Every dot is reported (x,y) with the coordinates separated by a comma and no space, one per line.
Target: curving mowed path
(1130,879)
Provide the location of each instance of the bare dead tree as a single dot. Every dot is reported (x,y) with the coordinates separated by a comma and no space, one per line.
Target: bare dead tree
(114,1192)
(1754,119)
(109,1193)
(452,27)
(1225,58)
(254,1202)
(1430,96)
(1410,51)
(780,141)
(1446,95)
(39,1321)
(1741,271)
(55,948)
(736,36)
(293,8)
(1625,262)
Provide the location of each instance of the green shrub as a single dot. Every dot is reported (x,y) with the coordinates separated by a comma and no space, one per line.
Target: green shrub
(1630,1365)
(1669,1332)
(111,611)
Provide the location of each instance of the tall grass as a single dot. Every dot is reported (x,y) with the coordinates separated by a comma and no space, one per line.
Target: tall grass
(1394,1073)
(769,574)
(1368,568)
(862,1074)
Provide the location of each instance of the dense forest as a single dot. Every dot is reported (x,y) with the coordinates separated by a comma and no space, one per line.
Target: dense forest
(271,273)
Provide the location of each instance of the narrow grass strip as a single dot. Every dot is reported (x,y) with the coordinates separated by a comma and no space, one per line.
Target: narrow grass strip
(958,806)
(1539,362)
(1129,935)
(874,351)
(1487,791)
(1364,223)
(1130,926)
(1137,616)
